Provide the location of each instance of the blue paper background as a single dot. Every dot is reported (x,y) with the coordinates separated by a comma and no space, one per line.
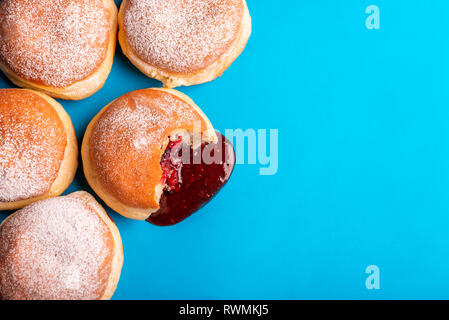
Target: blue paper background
(363,119)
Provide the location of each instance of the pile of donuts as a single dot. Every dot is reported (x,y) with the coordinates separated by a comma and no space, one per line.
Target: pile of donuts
(134,150)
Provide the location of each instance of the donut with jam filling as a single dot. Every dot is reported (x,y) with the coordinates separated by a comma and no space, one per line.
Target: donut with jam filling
(153,155)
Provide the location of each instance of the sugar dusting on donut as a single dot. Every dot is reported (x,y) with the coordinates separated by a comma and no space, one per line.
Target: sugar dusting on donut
(139,123)
(55,249)
(32,145)
(181,36)
(53,42)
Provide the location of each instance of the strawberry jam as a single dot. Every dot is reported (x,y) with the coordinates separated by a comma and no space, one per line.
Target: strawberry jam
(192,180)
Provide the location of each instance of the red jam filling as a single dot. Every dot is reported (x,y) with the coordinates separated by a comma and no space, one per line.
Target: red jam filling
(190,181)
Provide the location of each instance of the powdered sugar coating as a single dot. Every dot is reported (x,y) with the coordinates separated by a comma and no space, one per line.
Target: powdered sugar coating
(181,36)
(53,42)
(32,145)
(57,248)
(127,143)
(142,120)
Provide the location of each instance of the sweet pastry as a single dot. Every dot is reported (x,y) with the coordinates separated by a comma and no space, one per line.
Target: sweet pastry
(64,248)
(183,42)
(63,48)
(153,154)
(38,148)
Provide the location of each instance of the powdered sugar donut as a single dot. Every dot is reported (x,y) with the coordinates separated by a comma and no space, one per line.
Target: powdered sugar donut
(183,42)
(130,156)
(63,48)
(59,249)
(38,148)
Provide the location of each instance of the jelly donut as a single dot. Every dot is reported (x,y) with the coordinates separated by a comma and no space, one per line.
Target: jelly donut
(63,48)
(153,154)
(183,42)
(64,248)
(38,148)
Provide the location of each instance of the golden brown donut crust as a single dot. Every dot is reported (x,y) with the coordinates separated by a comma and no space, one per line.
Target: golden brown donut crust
(38,148)
(59,249)
(183,42)
(60,47)
(123,145)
